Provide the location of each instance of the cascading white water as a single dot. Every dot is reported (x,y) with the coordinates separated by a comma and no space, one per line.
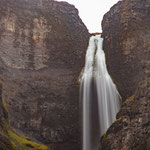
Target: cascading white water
(100,98)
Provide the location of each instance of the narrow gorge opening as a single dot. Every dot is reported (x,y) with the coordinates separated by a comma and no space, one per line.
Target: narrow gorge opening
(99,96)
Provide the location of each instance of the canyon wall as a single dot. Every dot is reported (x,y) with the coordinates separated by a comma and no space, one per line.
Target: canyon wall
(126,32)
(42,50)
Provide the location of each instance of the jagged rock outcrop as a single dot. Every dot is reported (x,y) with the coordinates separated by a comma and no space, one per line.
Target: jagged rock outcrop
(126,32)
(42,49)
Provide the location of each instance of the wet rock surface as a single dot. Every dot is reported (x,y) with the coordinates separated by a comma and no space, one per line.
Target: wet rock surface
(126,35)
(42,49)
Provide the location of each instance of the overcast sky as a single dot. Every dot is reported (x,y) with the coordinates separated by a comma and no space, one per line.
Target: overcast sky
(92,11)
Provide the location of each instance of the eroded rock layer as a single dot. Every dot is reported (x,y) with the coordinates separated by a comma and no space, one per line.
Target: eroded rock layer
(126,32)
(42,49)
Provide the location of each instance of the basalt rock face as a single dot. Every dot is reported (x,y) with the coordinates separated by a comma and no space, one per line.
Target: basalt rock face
(42,48)
(126,32)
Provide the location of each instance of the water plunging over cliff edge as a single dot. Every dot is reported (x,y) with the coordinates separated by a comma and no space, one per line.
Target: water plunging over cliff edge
(100,98)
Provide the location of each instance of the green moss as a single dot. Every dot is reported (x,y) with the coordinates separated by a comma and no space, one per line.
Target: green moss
(104,135)
(119,119)
(19,141)
(11,140)
(15,146)
(131,98)
(1,82)
(25,144)
(102,139)
(97,33)
(4,105)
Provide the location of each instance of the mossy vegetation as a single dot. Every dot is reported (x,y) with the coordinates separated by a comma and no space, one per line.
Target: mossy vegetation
(1,82)
(18,141)
(15,147)
(10,139)
(97,33)
(104,135)
(117,120)
(4,105)
(102,139)
(131,98)
(24,143)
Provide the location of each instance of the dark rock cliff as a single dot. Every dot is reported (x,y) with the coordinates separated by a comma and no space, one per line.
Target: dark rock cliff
(9,138)
(42,49)
(5,143)
(126,32)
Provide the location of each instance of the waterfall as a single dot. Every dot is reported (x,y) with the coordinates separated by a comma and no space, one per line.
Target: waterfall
(100,98)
